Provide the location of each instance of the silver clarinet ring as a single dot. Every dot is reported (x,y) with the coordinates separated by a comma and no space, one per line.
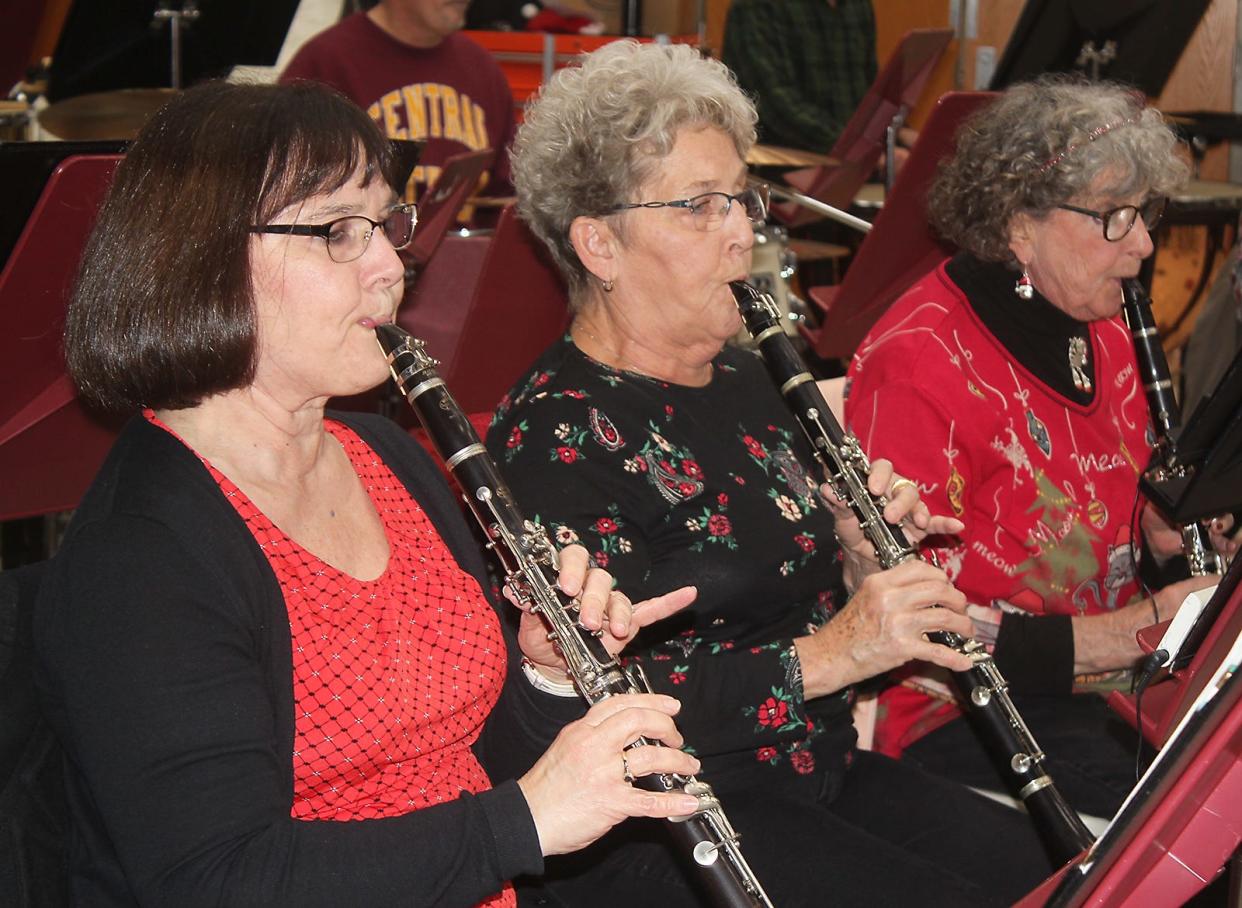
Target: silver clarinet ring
(625,769)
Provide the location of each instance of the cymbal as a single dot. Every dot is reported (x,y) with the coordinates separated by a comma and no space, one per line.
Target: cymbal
(103,115)
(779,156)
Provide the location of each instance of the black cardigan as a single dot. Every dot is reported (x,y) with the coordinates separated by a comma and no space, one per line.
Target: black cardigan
(166,669)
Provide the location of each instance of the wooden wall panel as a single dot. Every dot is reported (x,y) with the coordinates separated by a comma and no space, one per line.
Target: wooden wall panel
(893,18)
(716,12)
(669,17)
(1203,77)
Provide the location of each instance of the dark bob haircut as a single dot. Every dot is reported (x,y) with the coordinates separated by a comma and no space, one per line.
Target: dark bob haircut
(163,312)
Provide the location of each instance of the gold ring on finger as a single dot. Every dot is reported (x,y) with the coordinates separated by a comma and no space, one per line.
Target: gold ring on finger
(900,484)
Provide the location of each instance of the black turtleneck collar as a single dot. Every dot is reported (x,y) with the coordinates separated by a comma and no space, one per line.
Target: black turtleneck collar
(1035,332)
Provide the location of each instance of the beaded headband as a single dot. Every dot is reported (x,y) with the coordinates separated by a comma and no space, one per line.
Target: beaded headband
(1091,137)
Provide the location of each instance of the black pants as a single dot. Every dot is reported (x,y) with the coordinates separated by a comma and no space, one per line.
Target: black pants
(1090,751)
(892,835)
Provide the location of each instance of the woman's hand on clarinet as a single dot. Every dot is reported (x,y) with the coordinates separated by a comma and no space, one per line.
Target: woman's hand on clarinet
(884,625)
(1164,539)
(580,788)
(1226,537)
(600,608)
(903,507)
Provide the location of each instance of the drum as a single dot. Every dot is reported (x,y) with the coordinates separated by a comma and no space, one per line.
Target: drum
(14,120)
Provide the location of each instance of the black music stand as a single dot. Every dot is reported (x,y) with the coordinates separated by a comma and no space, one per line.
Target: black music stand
(1138,43)
(1208,481)
(106,45)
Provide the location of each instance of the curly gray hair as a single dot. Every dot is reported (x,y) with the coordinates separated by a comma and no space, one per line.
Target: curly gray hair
(1041,144)
(598,130)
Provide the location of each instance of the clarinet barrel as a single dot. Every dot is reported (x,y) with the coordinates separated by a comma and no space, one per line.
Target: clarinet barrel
(981,687)
(529,562)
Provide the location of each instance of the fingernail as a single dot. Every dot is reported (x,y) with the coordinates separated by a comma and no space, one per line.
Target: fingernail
(689,805)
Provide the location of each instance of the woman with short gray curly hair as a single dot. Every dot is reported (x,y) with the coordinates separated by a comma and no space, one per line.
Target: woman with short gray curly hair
(593,142)
(1005,383)
(669,455)
(1036,148)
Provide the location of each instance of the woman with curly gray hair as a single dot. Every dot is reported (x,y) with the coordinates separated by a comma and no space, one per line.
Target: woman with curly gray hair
(668,455)
(1004,383)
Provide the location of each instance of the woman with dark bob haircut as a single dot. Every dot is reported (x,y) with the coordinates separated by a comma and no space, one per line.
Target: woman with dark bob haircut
(267,643)
(1005,383)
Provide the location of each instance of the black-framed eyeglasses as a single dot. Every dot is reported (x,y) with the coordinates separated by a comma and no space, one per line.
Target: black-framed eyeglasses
(709,210)
(347,238)
(1119,221)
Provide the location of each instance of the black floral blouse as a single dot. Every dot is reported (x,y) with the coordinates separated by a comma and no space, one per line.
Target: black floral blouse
(668,485)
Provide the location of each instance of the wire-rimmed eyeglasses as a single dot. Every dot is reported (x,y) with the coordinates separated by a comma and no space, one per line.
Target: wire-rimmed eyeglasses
(347,238)
(1118,222)
(708,210)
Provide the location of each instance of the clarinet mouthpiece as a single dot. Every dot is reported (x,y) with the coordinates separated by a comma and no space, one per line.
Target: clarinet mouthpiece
(391,337)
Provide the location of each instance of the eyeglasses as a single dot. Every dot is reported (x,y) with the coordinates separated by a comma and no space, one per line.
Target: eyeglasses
(709,210)
(1119,221)
(347,238)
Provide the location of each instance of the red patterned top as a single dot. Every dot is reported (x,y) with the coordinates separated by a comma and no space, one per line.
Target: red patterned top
(392,677)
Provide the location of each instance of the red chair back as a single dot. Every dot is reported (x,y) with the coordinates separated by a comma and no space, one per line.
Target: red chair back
(900,248)
(46,437)
(896,88)
(486,307)
(438,207)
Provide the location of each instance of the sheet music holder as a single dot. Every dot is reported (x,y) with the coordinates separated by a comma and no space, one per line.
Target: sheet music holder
(486,307)
(893,93)
(900,248)
(1209,447)
(1134,42)
(1209,452)
(440,203)
(1180,825)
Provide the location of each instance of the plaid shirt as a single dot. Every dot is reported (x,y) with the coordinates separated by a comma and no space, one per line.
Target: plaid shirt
(807,62)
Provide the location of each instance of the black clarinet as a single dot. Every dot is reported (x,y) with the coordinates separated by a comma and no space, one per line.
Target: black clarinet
(530,565)
(981,686)
(1166,415)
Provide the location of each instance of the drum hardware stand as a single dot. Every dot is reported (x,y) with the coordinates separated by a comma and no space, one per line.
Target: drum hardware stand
(828,211)
(177,19)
